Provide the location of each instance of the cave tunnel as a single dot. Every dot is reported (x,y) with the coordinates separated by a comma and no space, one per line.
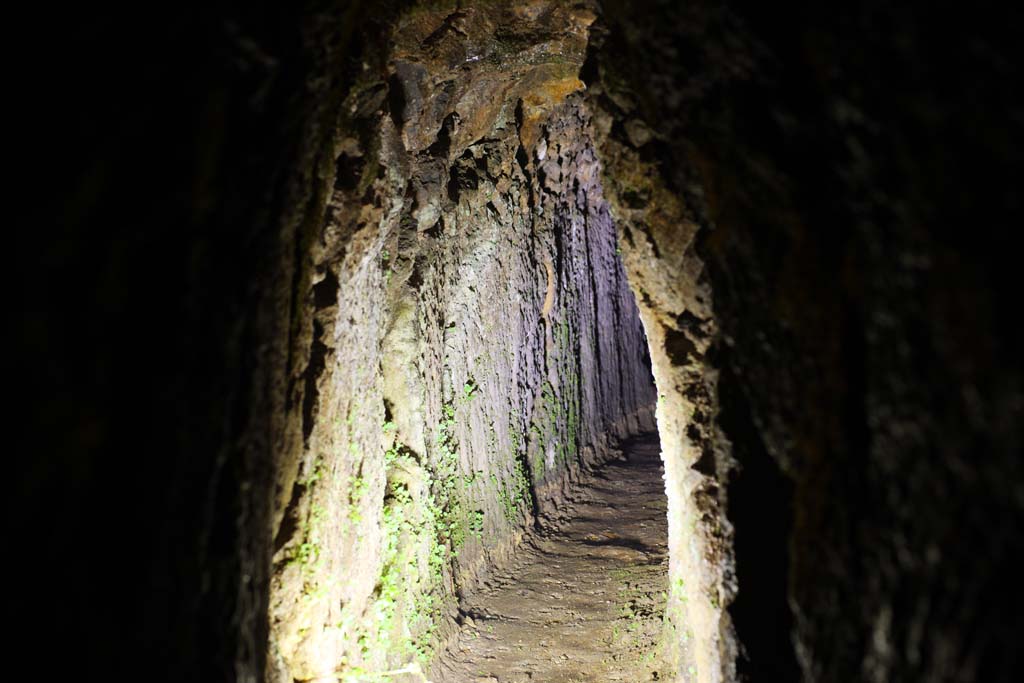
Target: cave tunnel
(552,341)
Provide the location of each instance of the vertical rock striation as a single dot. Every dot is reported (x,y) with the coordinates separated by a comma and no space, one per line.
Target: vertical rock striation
(332,310)
(472,339)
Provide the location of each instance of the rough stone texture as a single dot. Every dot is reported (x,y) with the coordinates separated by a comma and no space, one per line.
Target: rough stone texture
(472,340)
(658,229)
(841,179)
(584,600)
(849,169)
(155,332)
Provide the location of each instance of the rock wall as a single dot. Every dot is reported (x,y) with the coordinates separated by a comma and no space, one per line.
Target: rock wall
(238,376)
(472,340)
(866,411)
(658,231)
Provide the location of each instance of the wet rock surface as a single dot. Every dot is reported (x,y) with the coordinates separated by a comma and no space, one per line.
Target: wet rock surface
(581,599)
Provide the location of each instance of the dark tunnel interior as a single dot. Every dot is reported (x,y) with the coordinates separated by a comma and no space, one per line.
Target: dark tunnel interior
(359,341)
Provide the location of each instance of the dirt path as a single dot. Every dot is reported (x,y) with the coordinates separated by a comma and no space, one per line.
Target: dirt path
(581,602)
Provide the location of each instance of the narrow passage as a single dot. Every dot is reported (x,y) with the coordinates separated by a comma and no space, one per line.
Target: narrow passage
(581,602)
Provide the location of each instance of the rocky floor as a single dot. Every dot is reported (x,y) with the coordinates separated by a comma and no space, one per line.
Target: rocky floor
(582,601)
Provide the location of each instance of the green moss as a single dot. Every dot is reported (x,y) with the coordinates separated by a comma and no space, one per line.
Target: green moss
(515,436)
(423,524)
(476,524)
(355,495)
(513,493)
(307,552)
(453,522)
(406,609)
(520,483)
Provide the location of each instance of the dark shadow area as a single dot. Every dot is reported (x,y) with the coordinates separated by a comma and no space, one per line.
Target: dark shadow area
(761,511)
(852,167)
(179,147)
(854,170)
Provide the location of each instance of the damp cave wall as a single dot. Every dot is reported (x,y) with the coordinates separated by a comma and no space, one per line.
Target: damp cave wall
(472,339)
(154,320)
(850,168)
(203,277)
(245,225)
(819,143)
(264,309)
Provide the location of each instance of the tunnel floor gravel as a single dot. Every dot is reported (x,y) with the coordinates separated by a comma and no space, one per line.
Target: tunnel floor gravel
(582,600)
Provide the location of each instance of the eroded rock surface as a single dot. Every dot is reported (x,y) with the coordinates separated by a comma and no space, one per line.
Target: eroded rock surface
(845,172)
(584,600)
(303,271)
(473,341)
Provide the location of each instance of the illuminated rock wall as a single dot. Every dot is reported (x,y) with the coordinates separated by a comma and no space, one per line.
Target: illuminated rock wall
(473,342)
(303,272)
